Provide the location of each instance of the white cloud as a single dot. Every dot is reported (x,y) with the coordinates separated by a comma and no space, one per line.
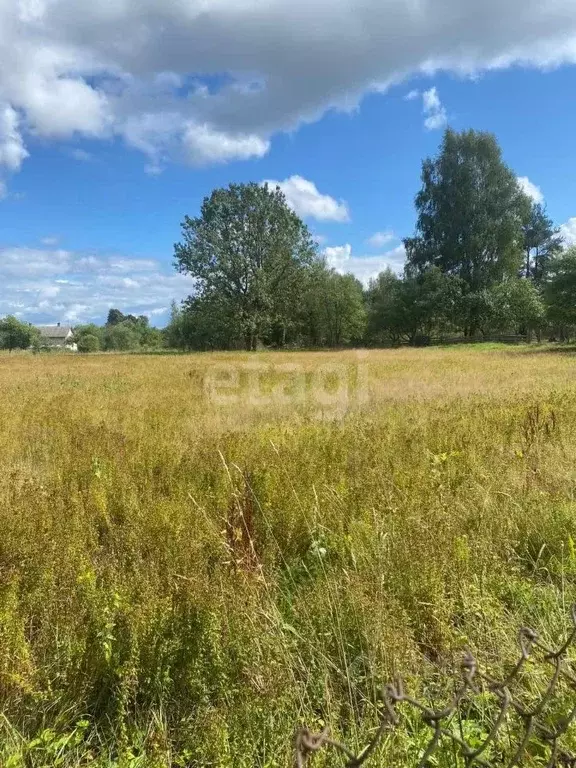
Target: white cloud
(100,69)
(433,110)
(52,285)
(530,189)
(380,239)
(435,116)
(303,196)
(568,231)
(12,149)
(338,256)
(205,145)
(49,241)
(364,268)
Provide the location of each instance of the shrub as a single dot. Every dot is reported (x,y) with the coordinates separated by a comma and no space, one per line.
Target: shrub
(88,343)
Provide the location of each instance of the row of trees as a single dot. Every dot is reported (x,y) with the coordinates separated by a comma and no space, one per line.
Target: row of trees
(484,259)
(120,333)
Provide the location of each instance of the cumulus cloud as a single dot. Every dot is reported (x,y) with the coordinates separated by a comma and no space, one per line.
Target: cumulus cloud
(47,285)
(530,189)
(380,239)
(342,259)
(228,74)
(305,199)
(204,145)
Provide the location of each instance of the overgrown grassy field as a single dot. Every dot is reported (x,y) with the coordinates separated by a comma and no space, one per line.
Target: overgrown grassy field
(198,553)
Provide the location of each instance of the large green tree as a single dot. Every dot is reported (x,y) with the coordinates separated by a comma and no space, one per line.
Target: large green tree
(248,253)
(470,214)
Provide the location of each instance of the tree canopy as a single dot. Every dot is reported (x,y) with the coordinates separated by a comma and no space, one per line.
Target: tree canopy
(470,215)
(15,334)
(248,254)
(542,241)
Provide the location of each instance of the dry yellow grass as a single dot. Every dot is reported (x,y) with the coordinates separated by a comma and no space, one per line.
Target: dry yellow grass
(198,552)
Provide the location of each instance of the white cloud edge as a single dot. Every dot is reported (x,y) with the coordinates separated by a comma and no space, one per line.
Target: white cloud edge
(308,202)
(342,259)
(379,239)
(530,189)
(568,231)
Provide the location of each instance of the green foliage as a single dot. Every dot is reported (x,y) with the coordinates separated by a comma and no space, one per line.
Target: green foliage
(542,241)
(515,304)
(385,316)
(151,338)
(429,301)
(88,342)
(421,304)
(121,333)
(331,311)
(90,329)
(248,253)
(560,292)
(470,214)
(115,317)
(122,337)
(15,334)
(344,309)
(175,333)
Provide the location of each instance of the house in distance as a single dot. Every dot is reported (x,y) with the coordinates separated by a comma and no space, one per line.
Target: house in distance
(57,336)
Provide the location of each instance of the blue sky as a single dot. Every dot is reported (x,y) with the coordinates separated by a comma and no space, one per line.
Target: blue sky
(111,131)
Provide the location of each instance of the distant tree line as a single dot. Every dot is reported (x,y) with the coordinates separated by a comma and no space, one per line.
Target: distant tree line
(484,260)
(121,333)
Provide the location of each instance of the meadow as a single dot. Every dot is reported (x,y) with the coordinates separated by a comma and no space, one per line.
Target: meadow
(200,552)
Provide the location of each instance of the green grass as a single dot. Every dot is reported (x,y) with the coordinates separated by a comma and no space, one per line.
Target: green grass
(184,580)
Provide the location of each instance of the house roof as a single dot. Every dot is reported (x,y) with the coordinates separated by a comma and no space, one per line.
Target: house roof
(54,331)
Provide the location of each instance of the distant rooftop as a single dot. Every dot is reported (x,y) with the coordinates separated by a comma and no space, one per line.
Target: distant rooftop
(54,331)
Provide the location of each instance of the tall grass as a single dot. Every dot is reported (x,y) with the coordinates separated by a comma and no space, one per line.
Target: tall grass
(184,579)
